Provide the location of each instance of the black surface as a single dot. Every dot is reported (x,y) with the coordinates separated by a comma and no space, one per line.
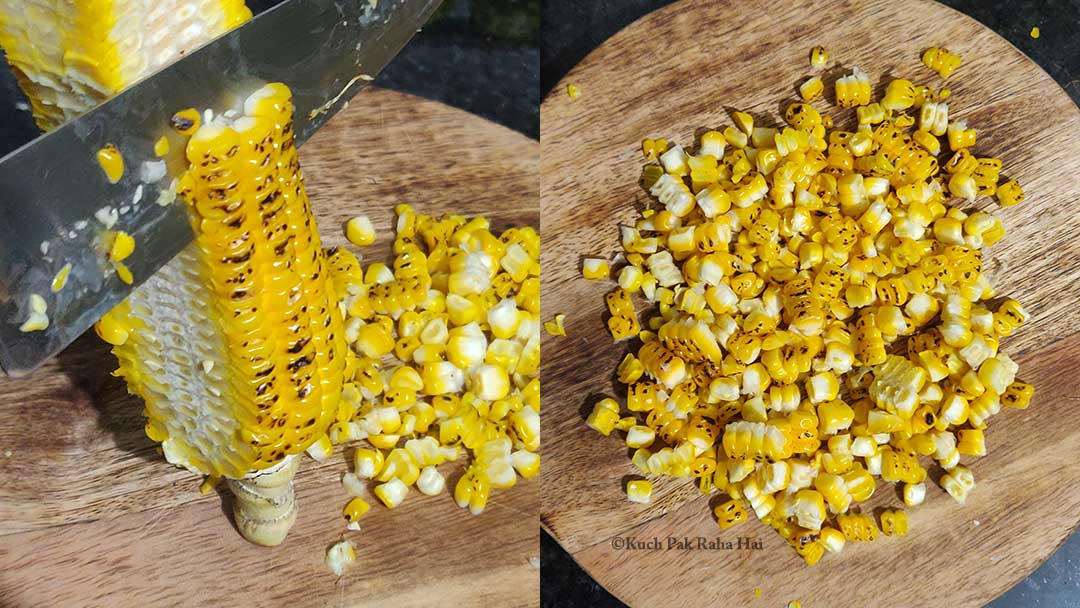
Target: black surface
(572,28)
(454,60)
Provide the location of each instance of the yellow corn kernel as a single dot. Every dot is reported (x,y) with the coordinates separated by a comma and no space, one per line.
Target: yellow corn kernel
(958,483)
(392,493)
(639,491)
(1010,193)
(595,268)
(604,417)
(894,523)
(857,527)
(818,57)
(356,509)
(971,442)
(940,60)
(960,136)
(812,88)
(359,231)
(1018,395)
(729,514)
(853,90)
(555,327)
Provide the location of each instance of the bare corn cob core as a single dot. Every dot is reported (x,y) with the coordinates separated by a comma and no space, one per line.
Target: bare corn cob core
(70,55)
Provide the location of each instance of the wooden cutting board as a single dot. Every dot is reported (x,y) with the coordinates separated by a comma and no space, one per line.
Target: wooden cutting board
(92,515)
(685,67)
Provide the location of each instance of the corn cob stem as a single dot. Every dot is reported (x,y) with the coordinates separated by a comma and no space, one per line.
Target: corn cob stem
(264,505)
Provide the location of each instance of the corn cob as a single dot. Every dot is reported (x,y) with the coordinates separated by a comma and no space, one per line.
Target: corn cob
(237,345)
(68,56)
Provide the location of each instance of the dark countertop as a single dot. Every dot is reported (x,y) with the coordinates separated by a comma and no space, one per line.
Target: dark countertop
(571,29)
(452,60)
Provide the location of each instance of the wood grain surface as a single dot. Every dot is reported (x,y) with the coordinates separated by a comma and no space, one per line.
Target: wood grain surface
(687,66)
(92,515)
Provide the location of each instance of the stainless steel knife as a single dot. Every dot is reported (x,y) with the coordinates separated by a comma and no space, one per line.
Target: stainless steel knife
(55,201)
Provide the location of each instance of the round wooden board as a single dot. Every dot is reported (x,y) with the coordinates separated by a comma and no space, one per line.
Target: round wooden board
(685,67)
(91,515)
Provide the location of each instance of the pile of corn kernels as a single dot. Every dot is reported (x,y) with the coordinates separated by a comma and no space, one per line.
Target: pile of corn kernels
(447,343)
(822,315)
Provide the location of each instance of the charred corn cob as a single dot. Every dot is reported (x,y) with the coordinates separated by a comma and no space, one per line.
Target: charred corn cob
(821,316)
(237,346)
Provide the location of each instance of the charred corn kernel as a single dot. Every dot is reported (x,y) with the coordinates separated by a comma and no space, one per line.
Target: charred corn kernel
(940,60)
(894,523)
(960,136)
(729,513)
(595,268)
(857,527)
(1010,193)
(360,231)
(356,509)
(472,490)
(639,491)
(392,493)
(653,148)
(812,88)
(187,121)
(1018,395)
(818,57)
(853,90)
(899,95)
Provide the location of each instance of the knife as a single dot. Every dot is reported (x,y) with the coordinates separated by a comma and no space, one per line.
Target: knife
(56,203)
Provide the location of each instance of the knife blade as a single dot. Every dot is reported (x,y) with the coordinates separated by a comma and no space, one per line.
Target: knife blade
(56,203)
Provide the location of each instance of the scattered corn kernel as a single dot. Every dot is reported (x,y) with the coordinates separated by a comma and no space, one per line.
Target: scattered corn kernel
(555,327)
(639,491)
(340,556)
(360,231)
